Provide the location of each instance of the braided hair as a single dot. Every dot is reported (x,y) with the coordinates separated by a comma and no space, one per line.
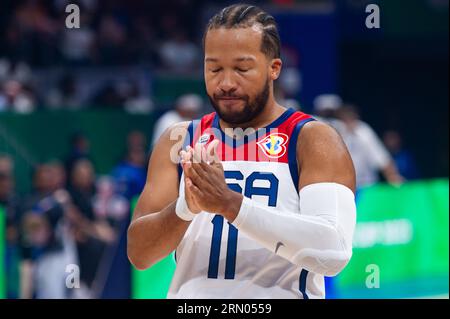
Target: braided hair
(244,16)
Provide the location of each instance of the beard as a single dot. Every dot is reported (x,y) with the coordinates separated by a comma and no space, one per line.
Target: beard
(251,108)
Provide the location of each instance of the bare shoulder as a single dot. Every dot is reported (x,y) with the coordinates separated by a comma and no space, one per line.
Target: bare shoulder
(165,154)
(323,156)
(172,137)
(174,132)
(319,136)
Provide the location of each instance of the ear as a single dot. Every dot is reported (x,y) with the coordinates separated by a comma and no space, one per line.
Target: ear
(275,68)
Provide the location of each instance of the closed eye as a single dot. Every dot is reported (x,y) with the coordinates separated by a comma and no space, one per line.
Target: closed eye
(216,70)
(242,70)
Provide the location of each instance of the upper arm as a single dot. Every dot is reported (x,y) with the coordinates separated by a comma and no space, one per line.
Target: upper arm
(323,157)
(161,187)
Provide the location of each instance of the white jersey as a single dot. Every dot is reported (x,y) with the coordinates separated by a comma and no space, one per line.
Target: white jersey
(215,259)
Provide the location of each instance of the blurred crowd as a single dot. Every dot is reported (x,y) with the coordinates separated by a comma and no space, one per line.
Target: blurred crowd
(111,32)
(72,216)
(45,65)
(33,35)
(375,159)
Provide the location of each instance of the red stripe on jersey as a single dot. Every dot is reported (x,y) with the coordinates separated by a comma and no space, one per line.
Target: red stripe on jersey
(268,145)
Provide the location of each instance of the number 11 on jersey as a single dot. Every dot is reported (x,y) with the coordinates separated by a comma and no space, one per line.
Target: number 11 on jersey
(214,256)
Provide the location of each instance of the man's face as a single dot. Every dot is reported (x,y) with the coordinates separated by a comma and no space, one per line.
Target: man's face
(238,75)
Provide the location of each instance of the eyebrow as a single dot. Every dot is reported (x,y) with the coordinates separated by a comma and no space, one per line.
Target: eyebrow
(245,58)
(240,59)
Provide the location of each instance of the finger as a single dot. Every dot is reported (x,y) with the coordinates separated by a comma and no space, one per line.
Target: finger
(211,151)
(196,193)
(197,153)
(200,150)
(195,174)
(187,184)
(201,178)
(204,155)
(187,168)
(183,158)
(189,152)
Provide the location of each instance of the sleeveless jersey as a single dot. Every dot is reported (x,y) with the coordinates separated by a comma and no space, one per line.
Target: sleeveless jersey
(215,259)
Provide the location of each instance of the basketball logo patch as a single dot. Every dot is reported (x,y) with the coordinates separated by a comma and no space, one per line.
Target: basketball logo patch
(274,145)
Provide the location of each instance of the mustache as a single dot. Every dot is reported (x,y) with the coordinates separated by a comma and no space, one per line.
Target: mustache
(229,96)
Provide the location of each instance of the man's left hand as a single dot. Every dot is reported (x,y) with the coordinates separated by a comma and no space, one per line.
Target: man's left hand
(206,182)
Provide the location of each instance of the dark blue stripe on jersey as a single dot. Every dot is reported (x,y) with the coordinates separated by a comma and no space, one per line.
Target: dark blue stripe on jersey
(292,151)
(302,283)
(230,266)
(187,141)
(216,239)
(236,143)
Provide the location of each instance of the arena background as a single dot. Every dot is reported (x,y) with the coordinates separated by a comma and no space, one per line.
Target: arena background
(95,93)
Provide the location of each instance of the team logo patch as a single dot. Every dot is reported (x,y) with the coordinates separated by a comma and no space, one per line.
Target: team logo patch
(204,139)
(273,145)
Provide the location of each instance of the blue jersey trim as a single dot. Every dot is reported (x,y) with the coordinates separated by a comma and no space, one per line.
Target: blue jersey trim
(292,151)
(187,141)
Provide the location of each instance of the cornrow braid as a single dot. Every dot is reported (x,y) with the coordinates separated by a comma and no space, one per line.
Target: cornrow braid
(244,16)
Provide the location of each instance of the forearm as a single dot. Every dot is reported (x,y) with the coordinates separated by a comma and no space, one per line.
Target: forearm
(154,236)
(318,238)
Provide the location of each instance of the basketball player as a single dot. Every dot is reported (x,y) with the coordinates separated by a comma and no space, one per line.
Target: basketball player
(266,214)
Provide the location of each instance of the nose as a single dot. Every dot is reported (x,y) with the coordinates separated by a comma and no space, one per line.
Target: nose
(227,83)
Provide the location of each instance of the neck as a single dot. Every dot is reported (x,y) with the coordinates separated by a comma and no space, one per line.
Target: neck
(270,113)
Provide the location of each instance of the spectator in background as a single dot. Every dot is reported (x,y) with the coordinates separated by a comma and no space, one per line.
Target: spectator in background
(367,151)
(144,40)
(111,39)
(403,158)
(79,149)
(36,33)
(15,70)
(136,102)
(110,95)
(108,205)
(65,95)
(130,174)
(325,107)
(179,54)
(77,45)
(92,235)
(9,202)
(16,97)
(45,242)
(187,107)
